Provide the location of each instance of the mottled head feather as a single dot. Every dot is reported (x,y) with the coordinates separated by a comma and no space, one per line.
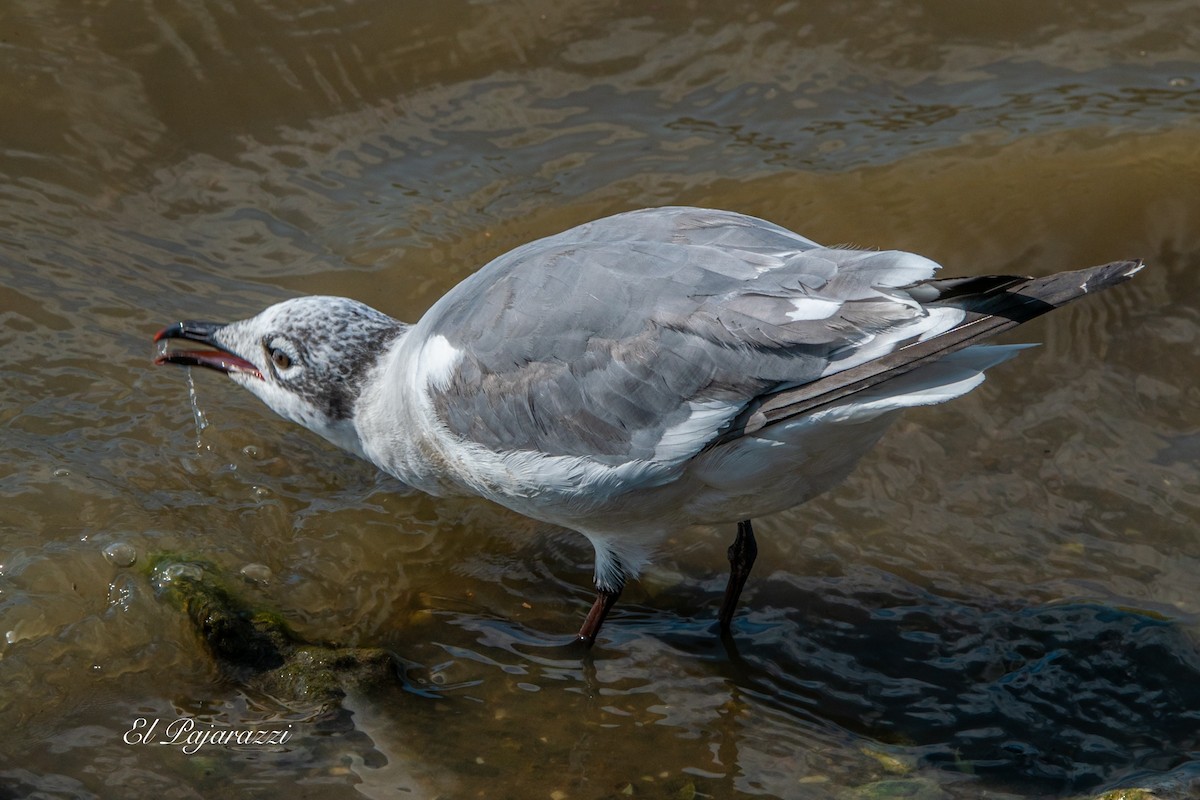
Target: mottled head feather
(315,354)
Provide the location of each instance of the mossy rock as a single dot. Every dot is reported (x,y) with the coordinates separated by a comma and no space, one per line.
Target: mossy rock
(899,789)
(255,648)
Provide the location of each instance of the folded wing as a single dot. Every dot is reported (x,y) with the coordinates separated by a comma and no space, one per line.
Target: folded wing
(652,335)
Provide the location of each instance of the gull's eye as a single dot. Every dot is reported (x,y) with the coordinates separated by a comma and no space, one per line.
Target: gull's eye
(281,352)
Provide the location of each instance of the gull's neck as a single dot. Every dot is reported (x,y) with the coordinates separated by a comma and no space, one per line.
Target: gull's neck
(395,426)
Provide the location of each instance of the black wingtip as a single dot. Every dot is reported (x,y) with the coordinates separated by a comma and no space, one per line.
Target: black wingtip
(1063,287)
(1111,274)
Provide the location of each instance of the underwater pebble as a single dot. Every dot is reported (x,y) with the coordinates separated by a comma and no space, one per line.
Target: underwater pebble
(910,789)
(422,616)
(257,573)
(120,554)
(889,762)
(172,572)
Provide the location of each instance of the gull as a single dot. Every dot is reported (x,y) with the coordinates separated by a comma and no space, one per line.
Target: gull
(637,374)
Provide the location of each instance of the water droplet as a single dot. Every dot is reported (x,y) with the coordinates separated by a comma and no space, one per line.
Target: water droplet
(260,492)
(257,573)
(250,450)
(121,592)
(120,554)
(1180,82)
(197,414)
(62,472)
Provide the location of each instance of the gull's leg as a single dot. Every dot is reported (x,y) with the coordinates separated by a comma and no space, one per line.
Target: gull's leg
(605,599)
(741,554)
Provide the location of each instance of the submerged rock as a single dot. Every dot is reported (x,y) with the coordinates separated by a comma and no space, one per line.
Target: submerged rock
(255,648)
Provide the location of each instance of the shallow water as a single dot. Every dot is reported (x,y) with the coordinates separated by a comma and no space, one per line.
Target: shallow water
(1003,599)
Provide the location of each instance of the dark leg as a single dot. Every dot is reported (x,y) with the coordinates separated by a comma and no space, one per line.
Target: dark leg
(605,599)
(742,553)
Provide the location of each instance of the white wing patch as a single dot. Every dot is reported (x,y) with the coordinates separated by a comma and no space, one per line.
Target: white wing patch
(684,438)
(809,308)
(940,320)
(436,362)
(936,321)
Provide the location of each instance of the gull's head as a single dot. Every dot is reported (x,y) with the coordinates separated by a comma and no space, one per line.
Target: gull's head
(307,358)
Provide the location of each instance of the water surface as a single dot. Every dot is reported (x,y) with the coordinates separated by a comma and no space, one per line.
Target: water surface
(1003,599)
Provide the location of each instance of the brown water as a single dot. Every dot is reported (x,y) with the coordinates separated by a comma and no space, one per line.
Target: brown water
(1004,600)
